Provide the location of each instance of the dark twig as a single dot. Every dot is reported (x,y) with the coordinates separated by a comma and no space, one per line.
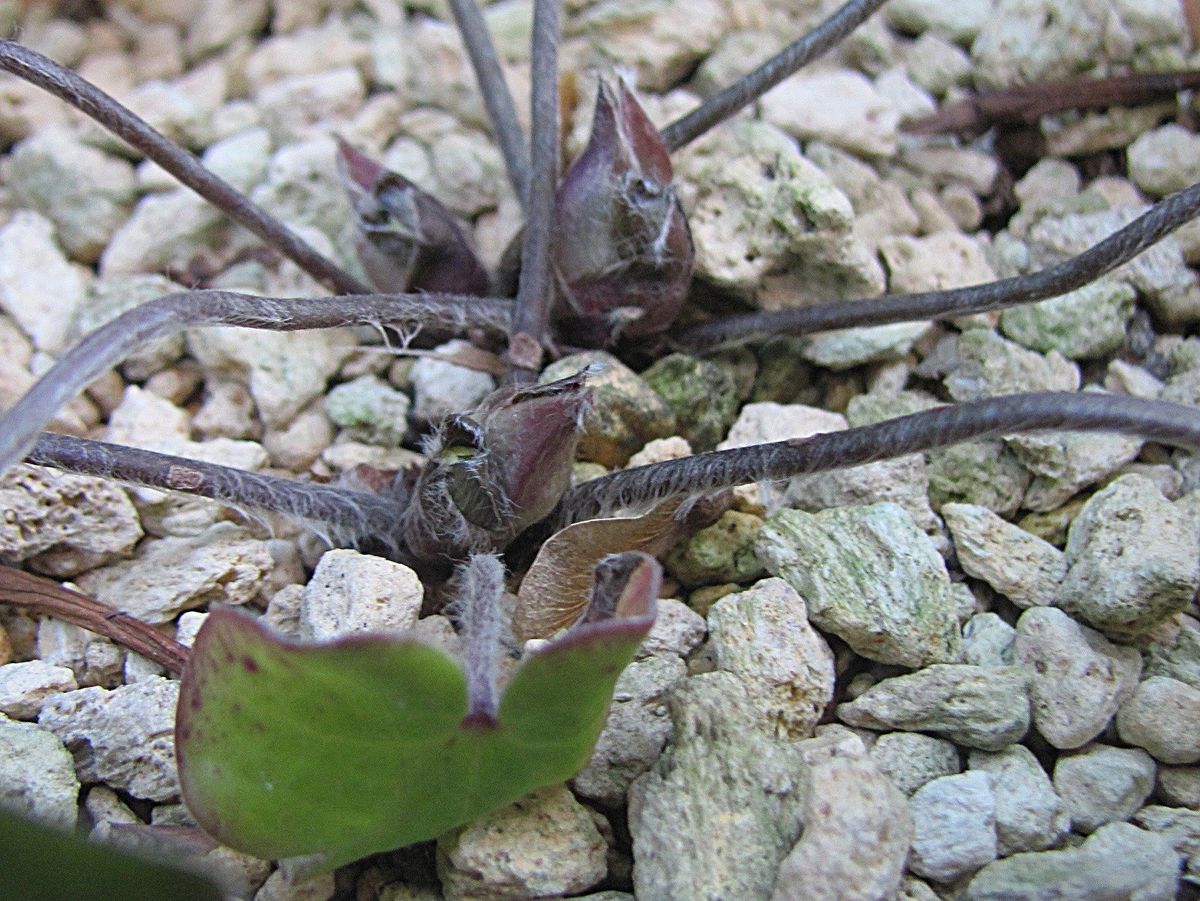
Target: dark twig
(43,596)
(111,343)
(87,98)
(749,88)
(534,293)
(347,516)
(1028,103)
(1118,248)
(634,488)
(496,96)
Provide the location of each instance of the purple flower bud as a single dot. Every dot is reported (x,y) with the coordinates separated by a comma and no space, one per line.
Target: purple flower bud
(496,471)
(623,251)
(407,240)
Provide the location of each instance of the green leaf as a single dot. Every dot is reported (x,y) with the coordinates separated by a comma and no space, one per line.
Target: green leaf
(42,864)
(360,745)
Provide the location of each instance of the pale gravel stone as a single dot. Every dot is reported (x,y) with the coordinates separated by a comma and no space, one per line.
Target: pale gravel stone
(954,826)
(123,737)
(857,830)
(720,553)
(86,193)
(143,419)
(1078,678)
(721,808)
(39,288)
(1102,784)
(1018,564)
(1062,463)
(220,22)
(1133,559)
(50,511)
(369,410)
(352,592)
(303,106)
(862,120)
(1165,160)
(1029,815)
(283,610)
(543,845)
(989,365)
(871,577)
(108,298)
(762,635)
(37,775)
(165,231)
(959,22)
(677,630)
(285,371)
(912,759)
(441,388)
(24,687)
(660,450)
(222,564)
(988,641)
(934,262)
(1162,716)
(1085,324)
(635,732)
(970,705)
(1118,861)
(1179,786)
(285,886)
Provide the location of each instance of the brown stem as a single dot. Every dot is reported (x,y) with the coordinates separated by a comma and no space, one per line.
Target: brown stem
(44,596)
(1028,103)
(90,100)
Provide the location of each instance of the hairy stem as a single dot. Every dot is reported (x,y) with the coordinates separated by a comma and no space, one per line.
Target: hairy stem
(347,515)
(746,90)
(111,343)
(632,488)
(481,585)
(44,596)
(1118,248)
(532,316)
(496,96)
(90,100)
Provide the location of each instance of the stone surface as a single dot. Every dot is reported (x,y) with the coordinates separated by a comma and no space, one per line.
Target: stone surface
(222,564)
(702,394)
(1103,784)
(1162,716)
(970,705)
(954,826)
(958,22)
(678,630)
(988,366)
(441,388)
(89,520)
(862,121)
(1132,559)
(869,576)
(857,830)
(123,737)
(988,641)
(1085,324)
(1029,815)
(1175,650)
(1117,861)
(1018,564)
(165,231)
(37,775)
(24,687)
(636,730)
(626,412)
(39,288)
(1078,678)
(1062,463)
(545,844)
(1164,160)
(721,809)
(1179,786)
(722,552)
(351,592)
(108,298)
(911,759)
(369,410)
(763,636)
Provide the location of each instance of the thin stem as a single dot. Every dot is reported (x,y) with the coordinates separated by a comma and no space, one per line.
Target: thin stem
(481,586)
(90,100)
(496,96)
(749,88)
(347,515)
(43,596)
(112,342)
(632,488)
(532,316)
(1118,248)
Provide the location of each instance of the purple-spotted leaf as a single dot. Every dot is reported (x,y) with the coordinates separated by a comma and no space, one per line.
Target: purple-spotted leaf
(363,745)
(558,586)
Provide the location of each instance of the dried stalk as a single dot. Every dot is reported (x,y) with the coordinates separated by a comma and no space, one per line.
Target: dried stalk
(93,102)
(1118,248)
(111,343)
(44,596)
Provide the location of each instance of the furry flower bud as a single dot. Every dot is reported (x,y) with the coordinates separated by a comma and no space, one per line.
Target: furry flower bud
(496,471)
(407,241)
(623,251)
